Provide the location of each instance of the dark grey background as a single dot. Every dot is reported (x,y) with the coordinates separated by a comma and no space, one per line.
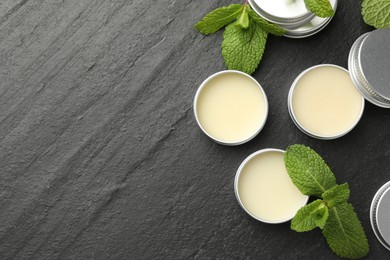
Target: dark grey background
(100,155)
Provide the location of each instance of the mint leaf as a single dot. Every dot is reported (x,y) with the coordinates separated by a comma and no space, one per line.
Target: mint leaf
(269,27)
(218,18)
(336,195)
(344,232)
(376,13)
(310,216)
(243,19)
(321,8)
(321,215)
(308,171)
(242,49)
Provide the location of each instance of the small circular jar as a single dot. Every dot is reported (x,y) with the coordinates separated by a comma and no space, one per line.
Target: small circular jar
(380,215)
(293,16)
(323,102)
(231,107)
(369,66)
(264,189)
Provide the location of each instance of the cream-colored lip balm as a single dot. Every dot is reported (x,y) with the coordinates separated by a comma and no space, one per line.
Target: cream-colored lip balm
(324,103)
(231,107)
(264,189)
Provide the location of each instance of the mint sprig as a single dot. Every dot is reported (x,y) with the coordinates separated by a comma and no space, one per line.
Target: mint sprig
(331,213)
(242,49)
(243,19)
(321,8)
(376,13)
(245,36)
(308,171)
(344,232)
(219,18)
(310,216)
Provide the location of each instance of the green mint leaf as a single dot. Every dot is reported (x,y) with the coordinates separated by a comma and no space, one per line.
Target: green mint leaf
(376,13)
(321,215)
(308,171)
(336,195)
(269,27)
(242,49)
(321,8)
(310,216)
(218,18)
(243,19)
(344,232)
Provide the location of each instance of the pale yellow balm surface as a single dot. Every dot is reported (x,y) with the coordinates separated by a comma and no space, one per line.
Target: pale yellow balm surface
(325,101)
(231,107)
(266,190)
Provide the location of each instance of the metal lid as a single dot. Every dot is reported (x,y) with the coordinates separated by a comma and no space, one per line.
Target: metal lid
(374,60)
(380,215)
(368,63)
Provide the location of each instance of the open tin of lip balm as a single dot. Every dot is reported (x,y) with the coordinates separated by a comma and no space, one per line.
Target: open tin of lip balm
(292,16)
(380,215)
(264,189)
(231,107)
(323,102)
(288,14)
(369,64)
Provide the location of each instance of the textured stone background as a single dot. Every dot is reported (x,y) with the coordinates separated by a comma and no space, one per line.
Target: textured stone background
(100,155)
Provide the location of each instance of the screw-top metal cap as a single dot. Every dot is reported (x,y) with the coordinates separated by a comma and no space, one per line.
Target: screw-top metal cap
(369,63)
(380,215)
(374,60)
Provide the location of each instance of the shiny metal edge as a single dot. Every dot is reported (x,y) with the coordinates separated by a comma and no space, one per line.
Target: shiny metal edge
(362,77)
(287,23)
(360,83)
(297,34)
(216,139)
(236,192)
(296,121)
(373,210)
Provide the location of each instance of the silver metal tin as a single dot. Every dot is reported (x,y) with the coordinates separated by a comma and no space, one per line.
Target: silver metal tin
(306,27)
(380,215)
(247,139)
(294,118)
(369,63)
(236,189)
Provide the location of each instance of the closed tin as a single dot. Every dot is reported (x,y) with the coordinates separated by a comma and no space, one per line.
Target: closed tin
(369,63)
(300,23)
(380,215)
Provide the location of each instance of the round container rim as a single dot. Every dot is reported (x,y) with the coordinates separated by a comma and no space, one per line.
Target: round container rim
(375,201)
(363,86)
(246,139)
(292,33)
(237,194)
(288,20)
(300,126)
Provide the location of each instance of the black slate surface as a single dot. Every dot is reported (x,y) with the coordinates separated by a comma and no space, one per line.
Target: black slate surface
(100,154)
